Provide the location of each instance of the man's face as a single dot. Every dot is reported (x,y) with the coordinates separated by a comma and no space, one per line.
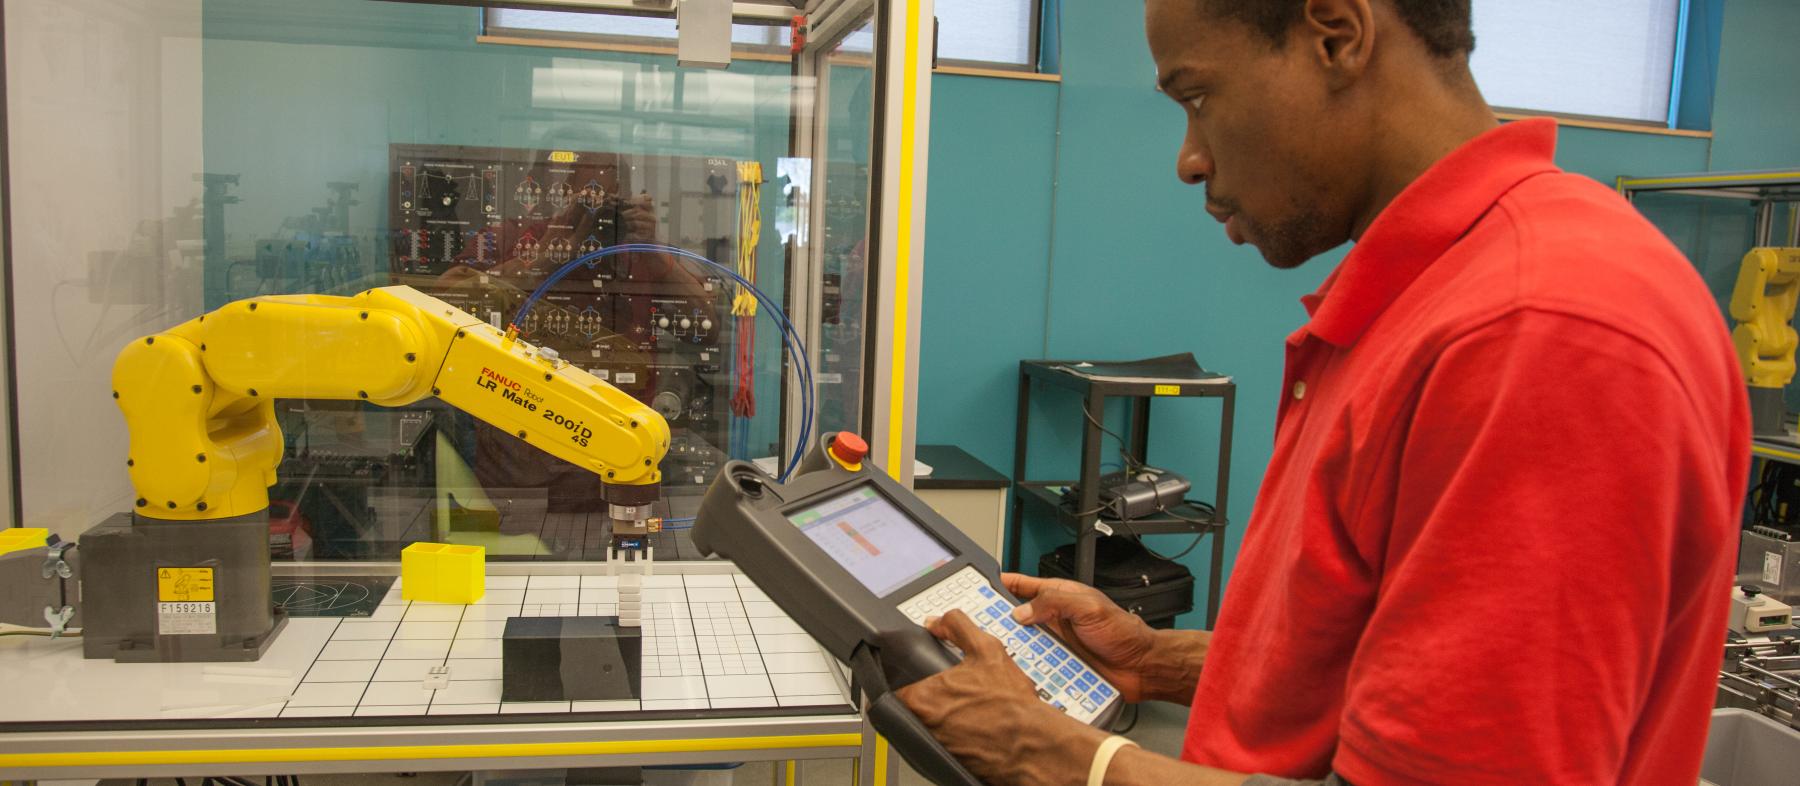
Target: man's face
(1259,133)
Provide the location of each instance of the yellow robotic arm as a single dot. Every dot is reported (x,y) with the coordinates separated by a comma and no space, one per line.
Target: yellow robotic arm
(1763,302)
(1768,287)
(199,398)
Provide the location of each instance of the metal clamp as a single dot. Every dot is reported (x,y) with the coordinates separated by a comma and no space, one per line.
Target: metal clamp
(58,619)
(57,568)
(54,564)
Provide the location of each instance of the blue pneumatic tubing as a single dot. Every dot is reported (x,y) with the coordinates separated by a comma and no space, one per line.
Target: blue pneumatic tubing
(790,337)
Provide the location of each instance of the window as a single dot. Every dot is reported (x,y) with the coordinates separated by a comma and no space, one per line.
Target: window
(987,32)
(992,32)
(617,26)
(1609,58)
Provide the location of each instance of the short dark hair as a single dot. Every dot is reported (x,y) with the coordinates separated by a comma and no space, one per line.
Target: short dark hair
(1446,26)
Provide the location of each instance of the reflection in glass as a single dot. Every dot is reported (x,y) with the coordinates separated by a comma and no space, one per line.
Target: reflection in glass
(259,147)
(843,339)
(108,194)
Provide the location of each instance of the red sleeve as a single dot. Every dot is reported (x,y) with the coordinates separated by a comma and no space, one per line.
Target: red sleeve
(1536,507)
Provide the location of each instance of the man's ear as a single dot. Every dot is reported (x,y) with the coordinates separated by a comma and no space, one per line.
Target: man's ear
(1340,36)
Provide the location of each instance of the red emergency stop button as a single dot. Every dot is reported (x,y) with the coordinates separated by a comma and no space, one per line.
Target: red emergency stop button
(849,449)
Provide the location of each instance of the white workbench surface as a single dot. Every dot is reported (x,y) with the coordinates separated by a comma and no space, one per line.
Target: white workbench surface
(719,660)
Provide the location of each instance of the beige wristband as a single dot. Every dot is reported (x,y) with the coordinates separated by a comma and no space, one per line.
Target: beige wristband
(1103,758)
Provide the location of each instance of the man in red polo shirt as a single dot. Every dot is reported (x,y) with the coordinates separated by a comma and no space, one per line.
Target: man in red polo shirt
(1494,543)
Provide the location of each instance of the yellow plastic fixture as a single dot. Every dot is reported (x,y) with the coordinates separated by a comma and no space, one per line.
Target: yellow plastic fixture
(443,573)
(21,538)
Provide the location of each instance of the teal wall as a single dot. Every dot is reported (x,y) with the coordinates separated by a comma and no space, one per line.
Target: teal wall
(1758,98)
(1700,64)
(1120,261)
(988,236)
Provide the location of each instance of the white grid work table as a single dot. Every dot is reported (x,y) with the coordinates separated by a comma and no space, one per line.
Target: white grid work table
(725,676)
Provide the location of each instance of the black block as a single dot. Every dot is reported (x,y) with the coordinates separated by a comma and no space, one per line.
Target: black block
(569,659)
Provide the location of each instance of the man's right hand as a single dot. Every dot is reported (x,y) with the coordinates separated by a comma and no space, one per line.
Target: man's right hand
(1112,640)
(1143,663)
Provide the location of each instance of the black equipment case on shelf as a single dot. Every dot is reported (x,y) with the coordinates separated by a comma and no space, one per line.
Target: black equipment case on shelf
(1140,582)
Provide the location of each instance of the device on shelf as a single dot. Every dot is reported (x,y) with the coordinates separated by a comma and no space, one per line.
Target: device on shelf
(1753,612)
(1139,501)
(860,562)
(1130,495)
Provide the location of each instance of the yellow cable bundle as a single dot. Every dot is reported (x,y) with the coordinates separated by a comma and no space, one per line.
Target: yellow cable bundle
(750,180)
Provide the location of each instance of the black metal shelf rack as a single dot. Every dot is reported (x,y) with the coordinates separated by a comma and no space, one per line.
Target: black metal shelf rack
(1041,497)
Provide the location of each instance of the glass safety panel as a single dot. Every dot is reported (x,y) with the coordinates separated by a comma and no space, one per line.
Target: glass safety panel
(844,244)
(172,157)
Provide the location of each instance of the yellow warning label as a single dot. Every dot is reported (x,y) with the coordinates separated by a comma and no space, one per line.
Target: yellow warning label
(1168,390)
(184,585)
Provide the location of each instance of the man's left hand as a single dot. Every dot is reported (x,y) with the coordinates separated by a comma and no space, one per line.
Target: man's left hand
(986,711)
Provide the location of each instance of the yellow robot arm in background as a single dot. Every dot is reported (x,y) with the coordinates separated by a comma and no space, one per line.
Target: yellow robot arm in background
(1762,302)
(199,398)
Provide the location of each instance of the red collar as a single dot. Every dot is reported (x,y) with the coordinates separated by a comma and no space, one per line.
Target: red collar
(1429,217)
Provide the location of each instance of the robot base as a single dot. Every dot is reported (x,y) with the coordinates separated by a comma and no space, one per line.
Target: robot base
(177,591)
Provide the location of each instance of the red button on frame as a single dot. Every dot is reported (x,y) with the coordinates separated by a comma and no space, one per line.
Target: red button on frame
(849,448)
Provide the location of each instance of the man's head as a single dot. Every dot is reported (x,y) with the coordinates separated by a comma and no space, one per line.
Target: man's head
(1306,116)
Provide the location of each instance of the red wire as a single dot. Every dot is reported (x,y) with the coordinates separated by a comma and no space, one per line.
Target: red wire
(743,399)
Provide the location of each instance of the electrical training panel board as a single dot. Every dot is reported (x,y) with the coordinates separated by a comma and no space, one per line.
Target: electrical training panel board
(482,227)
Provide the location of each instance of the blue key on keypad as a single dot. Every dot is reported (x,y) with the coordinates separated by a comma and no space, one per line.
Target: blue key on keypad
(1087,681)
(1070,672)
(986,592)
(1008,623)
(1105,692)
(1039,648)
(1058,655)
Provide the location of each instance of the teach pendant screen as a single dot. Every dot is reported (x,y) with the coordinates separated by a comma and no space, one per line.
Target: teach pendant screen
(876,542)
